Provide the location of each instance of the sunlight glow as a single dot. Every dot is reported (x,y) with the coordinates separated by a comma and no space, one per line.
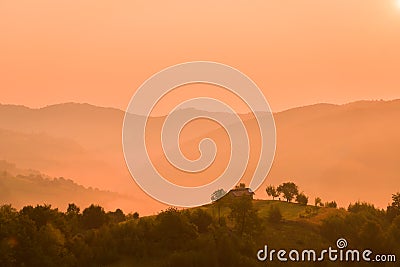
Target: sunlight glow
(398,3)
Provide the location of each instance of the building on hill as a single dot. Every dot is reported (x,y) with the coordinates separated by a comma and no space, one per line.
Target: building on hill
(240,192)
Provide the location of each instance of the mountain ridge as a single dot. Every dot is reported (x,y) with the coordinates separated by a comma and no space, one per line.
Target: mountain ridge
(88,105)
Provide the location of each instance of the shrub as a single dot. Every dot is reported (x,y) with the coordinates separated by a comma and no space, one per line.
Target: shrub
(274,214)
(302,199)
(331,204)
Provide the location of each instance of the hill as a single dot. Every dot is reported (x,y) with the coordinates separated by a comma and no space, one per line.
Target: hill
(198,236)
(29,187)
(291,212)
(339,152)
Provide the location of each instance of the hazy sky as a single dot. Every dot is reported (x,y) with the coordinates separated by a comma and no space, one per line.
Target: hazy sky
(298,52)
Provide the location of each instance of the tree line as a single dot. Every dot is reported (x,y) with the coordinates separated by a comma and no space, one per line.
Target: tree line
(290,191)
(46,236)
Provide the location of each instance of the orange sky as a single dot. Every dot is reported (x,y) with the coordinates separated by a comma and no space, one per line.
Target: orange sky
(298,52)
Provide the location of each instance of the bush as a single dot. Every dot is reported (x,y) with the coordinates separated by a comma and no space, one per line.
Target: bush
(309,212)
(333,227)
(302,199)
(274,214)
(331,204)
(201,219)
(174,229)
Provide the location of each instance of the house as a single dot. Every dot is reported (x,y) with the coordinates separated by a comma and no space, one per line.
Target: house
(240,192)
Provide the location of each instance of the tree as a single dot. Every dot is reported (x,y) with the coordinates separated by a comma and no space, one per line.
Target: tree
(333,227)
(51,242)
(174,229)
(331,204)
(289,190)
(73,218)
(218,194)
(201,219)
(396,200)
(371,235)
(42,215)
(217,198)
(271,191)
(302,199)
(394,233)
(93,217)
(244,215)
(117,216)
(241,185)
(8,227)
(318,202)
(73,209)
(394,210)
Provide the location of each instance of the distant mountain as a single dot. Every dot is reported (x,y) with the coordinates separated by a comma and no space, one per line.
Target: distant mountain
(29,187)
(342,152)
(11,169)
(80,141)
(86,124)
(337,152)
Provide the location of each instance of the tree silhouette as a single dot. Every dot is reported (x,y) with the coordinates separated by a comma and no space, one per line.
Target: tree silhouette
(302,199)
(93,217)
(43,236)
(201,219)
(116,217)
(244,215)
(318,201)
(331,204)
(272,192)
(394,210)
(396,200)
(174,228)
(218,194)
(289,190)
(73,209)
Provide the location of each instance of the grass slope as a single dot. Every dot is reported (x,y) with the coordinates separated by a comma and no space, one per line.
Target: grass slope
(298,229)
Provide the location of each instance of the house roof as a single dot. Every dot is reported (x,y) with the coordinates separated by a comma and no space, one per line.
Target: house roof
(238,192)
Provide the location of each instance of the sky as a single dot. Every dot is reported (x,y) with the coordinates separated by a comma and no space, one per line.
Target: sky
(297,52)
